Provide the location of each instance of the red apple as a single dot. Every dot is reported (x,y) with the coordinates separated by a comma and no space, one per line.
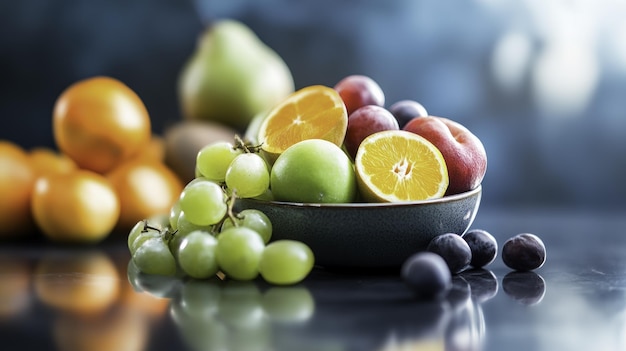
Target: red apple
(463,151)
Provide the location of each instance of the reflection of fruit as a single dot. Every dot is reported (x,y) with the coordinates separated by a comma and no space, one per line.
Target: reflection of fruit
(366,121)
(313,170)
(314,112)
(232,76)
(16,184)
(99,122)
(289,304)
(357,91)
(240,304)
(199,299)
(81,206)
(185,139)
(464,153)
(47,161)
(396,165)
(15,295)
(118,330)
(145,188)
(151,306)
(83,282)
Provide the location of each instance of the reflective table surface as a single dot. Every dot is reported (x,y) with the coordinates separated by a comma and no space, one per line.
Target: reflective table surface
(60,298)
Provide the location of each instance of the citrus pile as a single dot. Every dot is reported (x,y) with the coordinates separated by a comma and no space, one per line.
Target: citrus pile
(107,173)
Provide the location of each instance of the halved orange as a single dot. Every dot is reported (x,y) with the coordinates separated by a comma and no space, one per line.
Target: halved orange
(313,112)
(398,165)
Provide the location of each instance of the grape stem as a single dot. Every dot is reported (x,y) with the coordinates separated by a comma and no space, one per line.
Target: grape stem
(230,213)
(246,146)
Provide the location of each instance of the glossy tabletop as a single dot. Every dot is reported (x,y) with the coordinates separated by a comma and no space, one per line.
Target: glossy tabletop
(69,298)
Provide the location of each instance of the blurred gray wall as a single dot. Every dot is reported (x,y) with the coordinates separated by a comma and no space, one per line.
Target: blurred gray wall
(541,83)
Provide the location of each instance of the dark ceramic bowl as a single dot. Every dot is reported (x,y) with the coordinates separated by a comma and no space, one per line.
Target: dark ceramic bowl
(368,235)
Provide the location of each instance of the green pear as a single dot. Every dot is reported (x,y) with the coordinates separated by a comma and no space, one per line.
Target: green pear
(232,76)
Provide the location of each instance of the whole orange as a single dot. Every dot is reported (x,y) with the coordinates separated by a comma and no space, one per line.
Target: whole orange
(16,184)
(145,188)
(99,122)
(48,161)
(80,206)
(154,150)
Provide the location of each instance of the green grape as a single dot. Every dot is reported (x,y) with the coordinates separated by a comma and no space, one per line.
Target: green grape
(238,252)
(143,236)
(213,160)
(248,175)
(183,225)
(196,255)
(135,231)
(203,202)
(142,230)
(154,257)
(174,213)
(159,221)
(253,219)
(174,242)
(286,262)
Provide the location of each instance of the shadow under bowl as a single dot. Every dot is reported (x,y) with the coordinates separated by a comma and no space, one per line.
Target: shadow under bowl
(368,235)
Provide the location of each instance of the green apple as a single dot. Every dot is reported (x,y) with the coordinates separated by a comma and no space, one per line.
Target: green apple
(313,171)
(232,76)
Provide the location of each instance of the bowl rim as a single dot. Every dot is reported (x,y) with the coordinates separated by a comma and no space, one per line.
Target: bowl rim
(443,199)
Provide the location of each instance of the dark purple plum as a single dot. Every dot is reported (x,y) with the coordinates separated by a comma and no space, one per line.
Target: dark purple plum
(483,245)
(524,252)
(406,110)
(453,249)
(427,274)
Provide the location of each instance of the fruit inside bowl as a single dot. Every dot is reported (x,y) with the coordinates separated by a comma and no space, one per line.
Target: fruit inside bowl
(329,178)
(361,235)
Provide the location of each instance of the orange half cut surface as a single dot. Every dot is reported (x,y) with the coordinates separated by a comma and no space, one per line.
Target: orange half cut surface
(397,165)
(313,112)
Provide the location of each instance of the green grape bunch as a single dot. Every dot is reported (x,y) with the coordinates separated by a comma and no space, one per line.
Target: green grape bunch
(203,236)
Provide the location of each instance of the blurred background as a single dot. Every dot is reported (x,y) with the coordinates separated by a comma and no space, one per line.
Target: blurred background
(542,84)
